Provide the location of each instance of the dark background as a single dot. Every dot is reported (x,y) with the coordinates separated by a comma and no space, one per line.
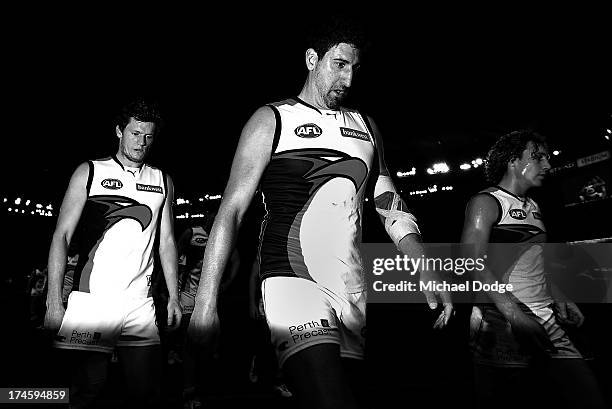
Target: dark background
(441,85)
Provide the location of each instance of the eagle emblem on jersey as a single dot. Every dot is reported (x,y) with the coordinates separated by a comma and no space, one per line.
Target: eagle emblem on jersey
(120,207)
(521,233)
(326,164)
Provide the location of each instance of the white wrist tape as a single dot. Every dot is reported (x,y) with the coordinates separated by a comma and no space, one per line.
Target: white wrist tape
(398,222)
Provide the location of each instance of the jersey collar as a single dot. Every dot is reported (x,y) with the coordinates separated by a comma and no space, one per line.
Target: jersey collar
(132,171)
(321,112)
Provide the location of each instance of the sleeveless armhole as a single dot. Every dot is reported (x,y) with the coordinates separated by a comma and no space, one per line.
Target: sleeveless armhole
(369,126)
(89,176)
(277,129)
(500,212)
(164,176)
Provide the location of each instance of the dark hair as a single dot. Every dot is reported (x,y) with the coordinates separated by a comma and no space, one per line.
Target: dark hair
(334,30)
(140,109)
(508,148)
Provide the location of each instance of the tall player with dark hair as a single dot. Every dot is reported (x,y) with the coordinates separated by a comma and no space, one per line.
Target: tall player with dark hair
(122,203)
(518,339)
(312,157)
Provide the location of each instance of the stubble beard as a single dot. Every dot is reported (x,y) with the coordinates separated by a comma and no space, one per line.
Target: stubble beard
(334,101)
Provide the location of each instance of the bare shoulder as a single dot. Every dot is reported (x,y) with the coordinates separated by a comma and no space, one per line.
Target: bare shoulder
(257,135)
(263,118)
(80,175)
(484,206)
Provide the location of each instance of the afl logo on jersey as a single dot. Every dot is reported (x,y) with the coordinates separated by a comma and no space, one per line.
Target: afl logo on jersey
(308,131)
(518,214)
(113,184)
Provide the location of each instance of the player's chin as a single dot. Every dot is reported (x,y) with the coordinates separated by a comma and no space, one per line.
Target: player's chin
(334,101)
(138,156)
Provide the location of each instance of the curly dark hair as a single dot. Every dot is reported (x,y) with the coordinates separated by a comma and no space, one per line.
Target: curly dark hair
(140,109)
(331,31)
(507,148)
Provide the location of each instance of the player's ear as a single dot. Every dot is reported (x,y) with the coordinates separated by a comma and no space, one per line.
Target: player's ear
(118,131)
(311,59)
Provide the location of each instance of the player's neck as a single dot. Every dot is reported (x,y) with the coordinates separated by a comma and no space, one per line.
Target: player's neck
(311,97)
(513,186)
(126,162)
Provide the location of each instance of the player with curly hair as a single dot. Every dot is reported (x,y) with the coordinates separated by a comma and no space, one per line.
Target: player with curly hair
(519,342)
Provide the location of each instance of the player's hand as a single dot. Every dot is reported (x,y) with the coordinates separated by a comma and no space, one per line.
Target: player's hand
(54,317)
(446,313)
(203,328)
(568,313)
(432,300)
(530,334)
(174,314)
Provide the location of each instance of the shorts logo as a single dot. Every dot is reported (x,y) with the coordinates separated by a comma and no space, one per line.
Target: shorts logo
(518,214)
(85,337)
(149,188)
(310,329)
(308,131)
(537,215)
(354,133)
(148,280)
(113,184)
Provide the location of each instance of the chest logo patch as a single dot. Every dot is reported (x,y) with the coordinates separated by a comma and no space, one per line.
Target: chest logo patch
(149,188)
(113,184)
(354,133)
(308,131)
(518,214)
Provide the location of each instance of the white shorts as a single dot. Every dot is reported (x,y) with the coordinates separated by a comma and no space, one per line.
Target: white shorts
(99,323)
(301,313)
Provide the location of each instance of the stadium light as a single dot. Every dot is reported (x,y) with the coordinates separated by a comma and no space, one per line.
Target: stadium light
(411,172)
(555,153)
(465,166)
(440,167)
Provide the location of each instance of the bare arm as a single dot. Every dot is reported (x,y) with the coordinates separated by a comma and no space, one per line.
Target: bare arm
(401,225)
(70,213)
(168,257)
(250,160)
(480,215)
(232,271)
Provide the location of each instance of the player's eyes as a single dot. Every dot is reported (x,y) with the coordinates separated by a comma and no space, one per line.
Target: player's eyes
(539,156)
